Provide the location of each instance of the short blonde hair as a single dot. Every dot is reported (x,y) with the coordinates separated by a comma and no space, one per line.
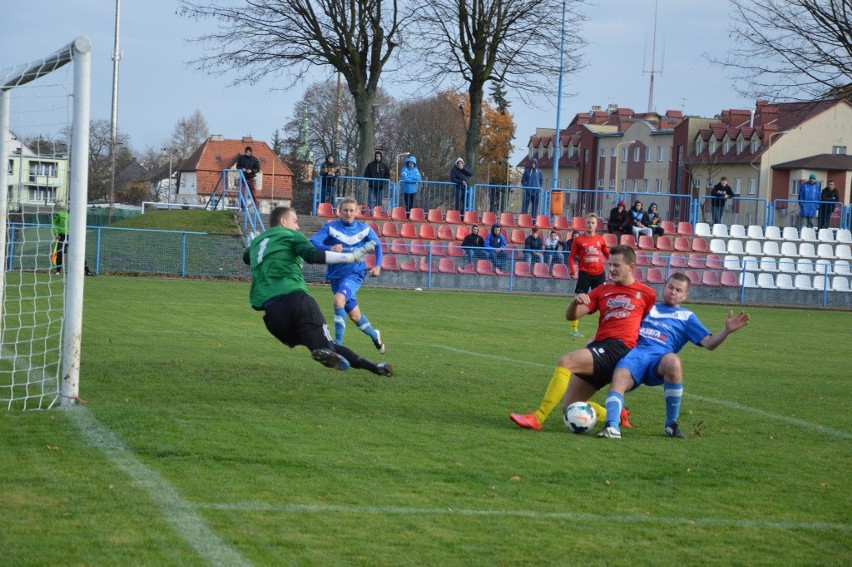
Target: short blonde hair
(591,216)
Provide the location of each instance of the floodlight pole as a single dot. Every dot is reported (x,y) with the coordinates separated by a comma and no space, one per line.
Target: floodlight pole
(557,143)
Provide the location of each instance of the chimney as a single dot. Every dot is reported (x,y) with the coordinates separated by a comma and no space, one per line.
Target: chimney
(217,138)
(596,108)
(611,107)
(247,140)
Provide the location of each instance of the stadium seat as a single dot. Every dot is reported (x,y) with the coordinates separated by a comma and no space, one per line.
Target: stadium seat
(437,249)
(807,250)
(428,267)
(525,220)
(770,248)
(768,264)
(408,230)
(417,214)
(471,217)
(362,213)
(805,266)
(665,243)
(398,246)
(700,245)
(840,283)
(825,251)
(755,232)
(484,268)
(719,230)
(668,226)
(427,231)
(766,281)
(784,281)
(772,233)
(787,265)
(750,263)
(418,248)
(702,229)
(753,248)
(825,235)
(639,275)
(803,282)
(560,222)
(844,236)
(610,240)
(560,272)
(389,230)
(734,247)
(446,266)
(627,240)
(684,228)
(644,258)
(518,236)
(790,233)
(660,259)
(696,261)
(842,268)
(718,246)
(462,231)
(715,262)
(445,232)
(681,244)
(455,250)
(453,217)
(578,223)
(843,251)
(374,226)
(543,222)
(694,277)
(541,270)
(646,242)
(389,263)
(398,214)
(409,265)
(370,261)
(435,216)
(522,270)
(325,210)
(821,283)
(655,276)
(489,219)
(823,266)
(507,220)
(808,234)
(710,278)
(789,249)
(468,269)
(737,231)
(732,262)
(379,214)
(679,261)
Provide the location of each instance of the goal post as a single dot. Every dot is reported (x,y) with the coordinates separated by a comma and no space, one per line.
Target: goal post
(40,355)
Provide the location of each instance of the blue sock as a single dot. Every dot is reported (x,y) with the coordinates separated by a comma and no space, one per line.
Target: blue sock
(673,393)
(614,403)
(367,328)
(339,325)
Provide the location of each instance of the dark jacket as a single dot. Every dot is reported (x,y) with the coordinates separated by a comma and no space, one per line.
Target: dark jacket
(329,172)
(378,170)
(473,240)
(251,163)
(720,193)
(829,195)
(459,176)
(619,222)
(534,242)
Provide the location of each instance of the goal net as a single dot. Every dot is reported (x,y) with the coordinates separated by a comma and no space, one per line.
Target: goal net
(44,148)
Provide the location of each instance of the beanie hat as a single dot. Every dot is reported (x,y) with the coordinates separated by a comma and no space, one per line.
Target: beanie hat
(812,176)
(459,160)
(622,204)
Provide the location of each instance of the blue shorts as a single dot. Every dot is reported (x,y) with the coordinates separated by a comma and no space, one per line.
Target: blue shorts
(643,364)
(348,286)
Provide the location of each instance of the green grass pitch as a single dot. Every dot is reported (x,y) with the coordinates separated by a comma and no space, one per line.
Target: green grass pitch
(204,441)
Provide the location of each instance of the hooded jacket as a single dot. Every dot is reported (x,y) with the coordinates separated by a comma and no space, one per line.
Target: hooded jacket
(460,175)
(377,171)
(808,197)
(495,241)
(532,178)
(409,176)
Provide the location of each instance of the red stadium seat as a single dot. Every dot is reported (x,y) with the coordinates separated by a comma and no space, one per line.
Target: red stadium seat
(427,231)
(715,262)
(398,214)
(710,278)
(541,270)
(453,217)
(409,265)
(389,263)
(543,222)
(644,258)
(560,222)
(700,245)
(525,220)
(418,248)
(639,275)
(664,243)
(467,269)
(438,248)
(484,268)
(646,242)
(446,266)
(462,231)
(398,246)
(667,226)
(694,277)
(408,230)
(578,223)
(445,232)
(506,220)
(489,219)
(560,272)
(380,214)
(374,226)
(627,240)
(522,270)
(610,239)
(679,261)
(685,228)
(417,215)
(389,230)
(435,216)
(730,279)
(325,210)
(518,236)
(697,261)
(660,259)
(426,267)
(655,276)
(455,250)
(363,212)
(681,244)
(370,261)
(471,217)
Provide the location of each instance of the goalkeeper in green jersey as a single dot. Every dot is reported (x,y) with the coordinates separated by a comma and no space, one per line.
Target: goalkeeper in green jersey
(278,289)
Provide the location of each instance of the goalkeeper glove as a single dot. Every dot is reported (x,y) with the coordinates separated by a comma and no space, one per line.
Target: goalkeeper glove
(368,248)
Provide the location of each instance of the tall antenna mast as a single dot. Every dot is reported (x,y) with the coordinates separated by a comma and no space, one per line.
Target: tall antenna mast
(653,69)
(116,56)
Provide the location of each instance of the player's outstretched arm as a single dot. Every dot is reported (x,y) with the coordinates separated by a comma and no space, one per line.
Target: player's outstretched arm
(578,307)
(733,323)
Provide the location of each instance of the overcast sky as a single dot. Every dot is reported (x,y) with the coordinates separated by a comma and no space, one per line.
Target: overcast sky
(157,88)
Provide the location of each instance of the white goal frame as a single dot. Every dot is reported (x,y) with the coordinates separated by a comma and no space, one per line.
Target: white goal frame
(77,52)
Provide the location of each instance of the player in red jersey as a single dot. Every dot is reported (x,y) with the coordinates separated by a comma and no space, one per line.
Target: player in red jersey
(621,303)
(591,252)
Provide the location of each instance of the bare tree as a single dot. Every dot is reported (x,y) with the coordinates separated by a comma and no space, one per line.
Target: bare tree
(256,38)
(100,169)
(189,133)
(790,49)
(512,42)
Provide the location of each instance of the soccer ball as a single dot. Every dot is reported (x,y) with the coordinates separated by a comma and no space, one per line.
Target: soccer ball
(580,417)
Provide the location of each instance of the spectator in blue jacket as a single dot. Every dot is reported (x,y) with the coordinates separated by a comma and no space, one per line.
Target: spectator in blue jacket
(459,176)
(409,178)
(495,245)
(808,197)
(532,180)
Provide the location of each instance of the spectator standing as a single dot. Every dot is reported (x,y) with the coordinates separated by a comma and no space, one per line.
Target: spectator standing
(329,171)
(552,245)
(653,220)
(474,245)
(719,195)
(808,197)
(532,180)
(378,173)
(459,175)
(637,217)
(409,179)
(619,222)
(495,244)
(250,166)
(829,197)
(591,252)
(533,245)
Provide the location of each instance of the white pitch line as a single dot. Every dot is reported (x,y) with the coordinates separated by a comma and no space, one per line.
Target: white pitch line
(626,519)
(180,513)
(724,403)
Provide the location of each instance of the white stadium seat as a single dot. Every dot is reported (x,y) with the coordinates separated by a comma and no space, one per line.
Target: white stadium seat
(770,248)
(807,233)
(787,265)
(807,250)
(804,266)
(768,264)
(766,281)
(825,251)
(822,266)
(844,236)
(702,229)
(747,279)
(755,232)
(843,251)
(772,233)
(825,235)
(735,247)
(753,248)
(784,281)
(820,283)
(720,230)
(732,263)
(751,263)
(737,231)
(803,282)
(840,283)
(717,246)
(842,268)
(790,233)
(789,249)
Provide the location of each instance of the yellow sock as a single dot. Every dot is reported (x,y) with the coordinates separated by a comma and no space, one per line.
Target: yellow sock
(554,394)
(575,325)
(599,410)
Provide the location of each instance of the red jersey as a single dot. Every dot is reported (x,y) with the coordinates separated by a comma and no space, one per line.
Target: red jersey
(622,308)
(592,251)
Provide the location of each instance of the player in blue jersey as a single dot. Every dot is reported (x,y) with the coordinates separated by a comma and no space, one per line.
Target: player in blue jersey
(654,360)
(346,235)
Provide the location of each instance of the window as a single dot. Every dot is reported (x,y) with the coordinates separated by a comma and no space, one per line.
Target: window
(710,182)
(755,145)
(46,168)
(838,150)
(42,194)
(699,146)
(603,152)
(612,152)
(11,167)
(570,151)
(531,152)
(740,146)
(550,152)
(661,153)
(712,145)
(696,183)
(585,156)
(648,153)
(658,186)
(794,187)
(636,153)
(737,186)
(751,186)
(726,146)
(634,184)
(612,183)
(624,155)
(645,185)
(600,183)
(622,186)
(567,183)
